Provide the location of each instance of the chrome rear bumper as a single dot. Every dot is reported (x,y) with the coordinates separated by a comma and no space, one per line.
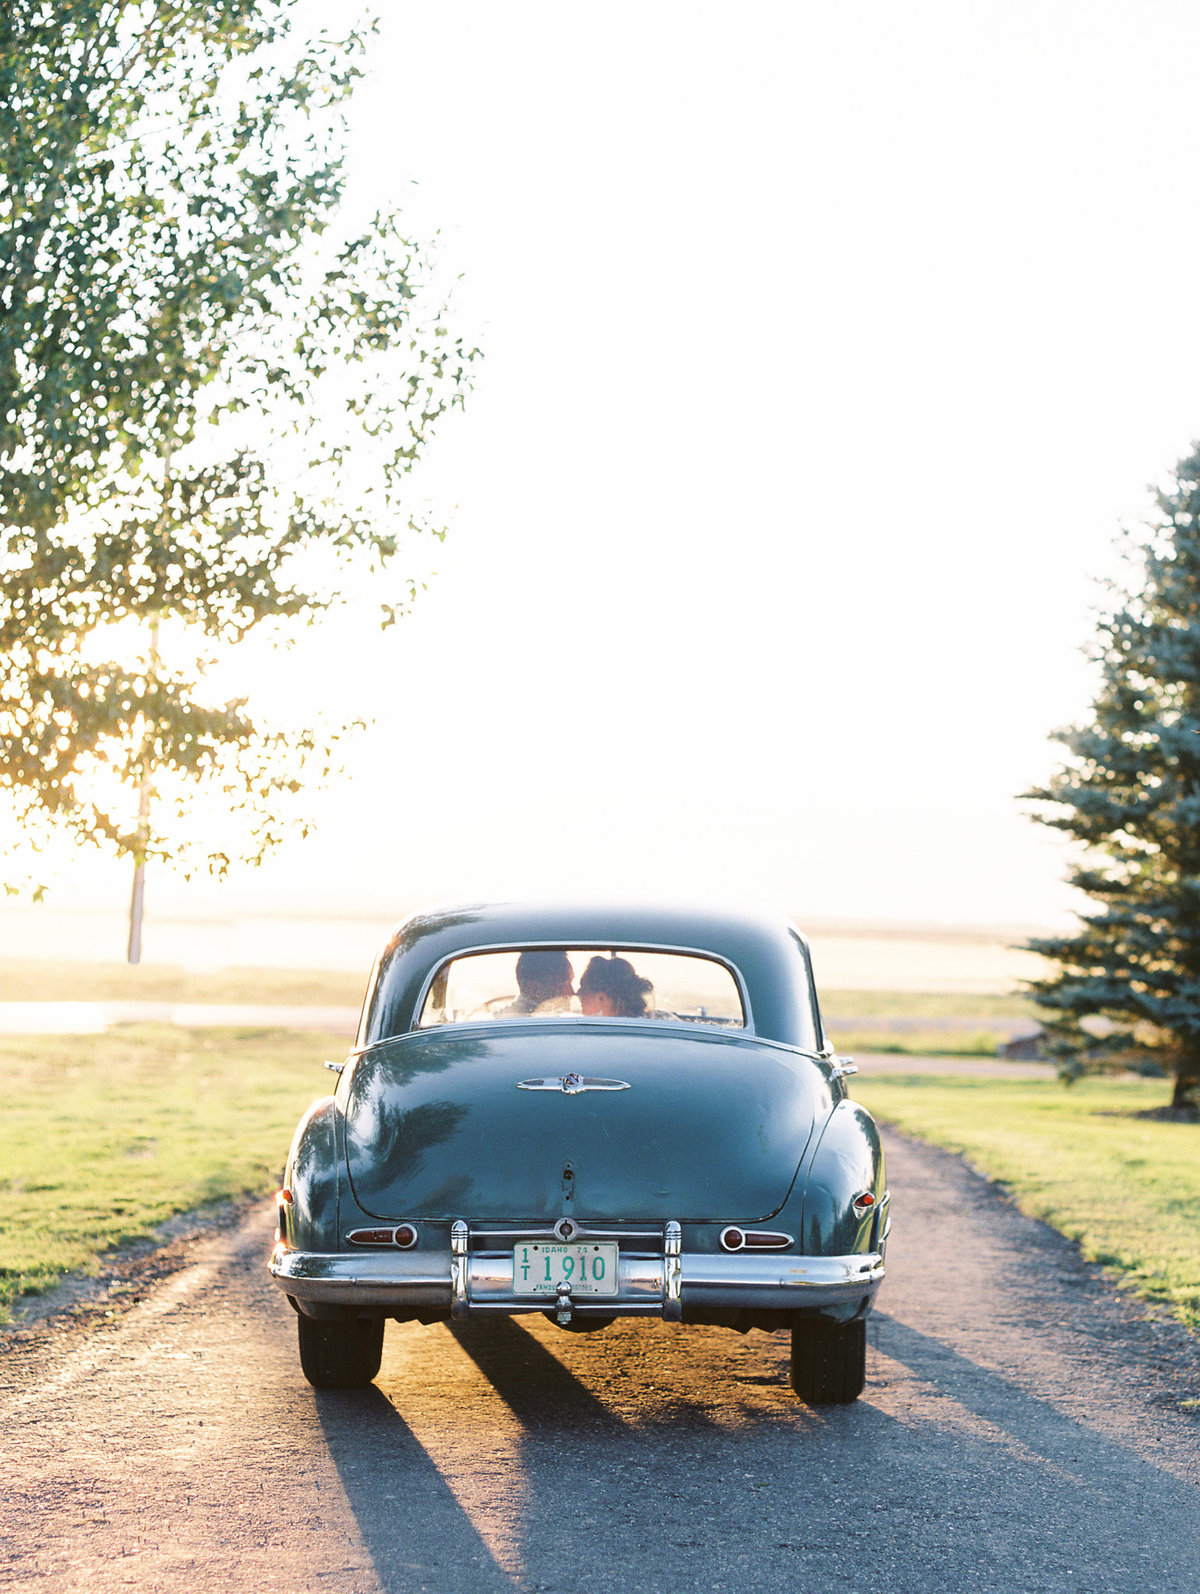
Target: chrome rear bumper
(475,1278)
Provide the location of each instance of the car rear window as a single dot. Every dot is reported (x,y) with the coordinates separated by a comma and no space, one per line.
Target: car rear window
(617,983)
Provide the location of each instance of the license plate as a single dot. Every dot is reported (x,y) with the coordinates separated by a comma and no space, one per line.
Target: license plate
(589,1268)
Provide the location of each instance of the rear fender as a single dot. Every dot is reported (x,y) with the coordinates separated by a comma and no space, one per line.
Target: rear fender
(848,1162)
(311,1174)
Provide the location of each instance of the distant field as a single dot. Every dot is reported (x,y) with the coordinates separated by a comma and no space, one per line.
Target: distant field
(982,1041)
(1126,1188)
(38,981)
(924,1004)
(105,1136)
(963,962)
(212,929)
(960,1024)
(924,1023)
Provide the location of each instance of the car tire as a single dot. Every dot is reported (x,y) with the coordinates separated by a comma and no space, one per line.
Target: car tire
(829,1361)
(340,1354)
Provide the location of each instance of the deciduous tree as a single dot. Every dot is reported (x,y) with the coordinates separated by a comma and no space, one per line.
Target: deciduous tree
(210,400)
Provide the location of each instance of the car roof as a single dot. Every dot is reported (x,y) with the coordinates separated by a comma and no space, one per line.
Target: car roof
(767,951)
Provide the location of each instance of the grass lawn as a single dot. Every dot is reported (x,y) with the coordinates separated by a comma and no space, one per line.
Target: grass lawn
(34,981)
(895,1022)
(1127,1188)
(981,1042)
(924,1004)
(105,1136)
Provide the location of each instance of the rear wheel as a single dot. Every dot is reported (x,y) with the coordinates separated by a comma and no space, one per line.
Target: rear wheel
(340,1354)
(829,1360)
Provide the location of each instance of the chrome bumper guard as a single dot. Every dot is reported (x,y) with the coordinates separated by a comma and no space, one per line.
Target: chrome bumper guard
(655,1277)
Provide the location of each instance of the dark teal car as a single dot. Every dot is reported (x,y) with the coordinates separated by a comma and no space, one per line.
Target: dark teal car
(588,1113)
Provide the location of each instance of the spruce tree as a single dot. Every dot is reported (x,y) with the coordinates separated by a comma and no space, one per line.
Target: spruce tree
(1128,984)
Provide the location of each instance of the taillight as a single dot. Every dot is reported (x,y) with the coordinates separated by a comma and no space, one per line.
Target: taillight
(864,1202)
(734,1239)
(404,1236)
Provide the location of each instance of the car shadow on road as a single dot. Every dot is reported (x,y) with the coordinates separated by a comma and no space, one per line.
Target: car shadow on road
(412,1525)
(545,1395)
(533,1383)
(954,1472)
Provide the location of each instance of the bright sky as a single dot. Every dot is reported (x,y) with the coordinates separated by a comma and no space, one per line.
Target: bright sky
(827,347)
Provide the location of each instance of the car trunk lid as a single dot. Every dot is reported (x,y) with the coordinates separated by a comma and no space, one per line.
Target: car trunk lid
(476,1123)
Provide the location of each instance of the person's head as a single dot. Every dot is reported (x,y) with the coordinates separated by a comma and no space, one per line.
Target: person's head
(612,988)
(542,975)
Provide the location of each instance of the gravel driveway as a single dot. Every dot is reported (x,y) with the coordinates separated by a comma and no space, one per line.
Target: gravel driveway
(1025,1428)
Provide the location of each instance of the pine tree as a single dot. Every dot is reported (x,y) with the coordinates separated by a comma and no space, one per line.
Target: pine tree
(1128,984)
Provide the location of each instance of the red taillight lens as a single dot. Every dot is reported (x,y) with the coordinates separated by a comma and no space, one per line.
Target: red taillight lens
(734,1239)
(405,1236)
(864,1202)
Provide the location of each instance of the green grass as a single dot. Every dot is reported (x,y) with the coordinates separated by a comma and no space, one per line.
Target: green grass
(105,1136)
(1126,1188)
(33,981)
(843,1010)
(919,1042)
(925,1004)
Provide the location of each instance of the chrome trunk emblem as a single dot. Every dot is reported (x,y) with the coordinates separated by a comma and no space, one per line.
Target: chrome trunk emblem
(572,1084)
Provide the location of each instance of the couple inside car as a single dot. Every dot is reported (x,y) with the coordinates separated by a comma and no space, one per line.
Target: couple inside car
(609,987)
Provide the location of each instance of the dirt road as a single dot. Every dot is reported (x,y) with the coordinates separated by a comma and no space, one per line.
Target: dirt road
(1025,1428)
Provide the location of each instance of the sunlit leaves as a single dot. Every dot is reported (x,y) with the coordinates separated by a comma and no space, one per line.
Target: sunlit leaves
(209,402)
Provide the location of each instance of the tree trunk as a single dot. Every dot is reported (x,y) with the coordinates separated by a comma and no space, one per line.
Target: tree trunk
(133,952)
(1186,1095)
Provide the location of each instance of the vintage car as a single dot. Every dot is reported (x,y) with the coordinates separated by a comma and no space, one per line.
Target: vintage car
(591,1114)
